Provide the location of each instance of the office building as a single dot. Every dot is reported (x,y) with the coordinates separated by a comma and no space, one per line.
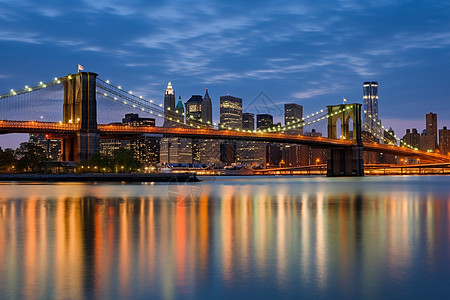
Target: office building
(169,105)
(194,110)
(411,138)
(179,111)
(145,146)
(444,141)
(230,112)
(248,121)
(207,109)
(51,147)
(264,121)
(371,121)
(293,113)
(431,131)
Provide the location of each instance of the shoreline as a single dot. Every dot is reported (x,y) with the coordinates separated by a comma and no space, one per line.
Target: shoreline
(99,177)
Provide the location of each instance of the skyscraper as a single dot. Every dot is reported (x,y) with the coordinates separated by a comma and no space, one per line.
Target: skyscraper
(248,121)
(371,118)
(230,112)
(194,110)
(264,121)
(169,104)
(145,146)
(292,113)
(179,110)
(207,109)
(432,129)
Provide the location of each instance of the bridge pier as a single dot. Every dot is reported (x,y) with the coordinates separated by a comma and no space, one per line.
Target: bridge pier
(345,161)
(80,107)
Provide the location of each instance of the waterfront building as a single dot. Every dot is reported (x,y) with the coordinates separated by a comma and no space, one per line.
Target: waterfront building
(230,112)
(145,146)
(51,147)
(293,113)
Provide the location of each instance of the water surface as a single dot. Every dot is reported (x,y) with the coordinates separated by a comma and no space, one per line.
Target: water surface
(227,237)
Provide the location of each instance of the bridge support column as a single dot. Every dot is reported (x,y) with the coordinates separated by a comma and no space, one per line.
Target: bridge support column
(345,161)
(80,107)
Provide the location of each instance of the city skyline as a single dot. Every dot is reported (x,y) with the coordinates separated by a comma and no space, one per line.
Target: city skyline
(312,55)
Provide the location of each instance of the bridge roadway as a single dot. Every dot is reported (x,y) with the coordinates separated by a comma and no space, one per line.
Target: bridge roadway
(116,130)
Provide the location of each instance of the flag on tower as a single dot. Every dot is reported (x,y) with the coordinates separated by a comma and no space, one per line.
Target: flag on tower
(80,68)
(344,100)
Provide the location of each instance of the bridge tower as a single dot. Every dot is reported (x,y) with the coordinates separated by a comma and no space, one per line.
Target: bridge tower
(80,107)
(345,161)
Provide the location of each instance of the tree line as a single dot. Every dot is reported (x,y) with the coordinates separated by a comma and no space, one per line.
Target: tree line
(30,157)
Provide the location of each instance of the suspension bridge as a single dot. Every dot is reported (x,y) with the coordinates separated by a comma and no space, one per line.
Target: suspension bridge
(84,97)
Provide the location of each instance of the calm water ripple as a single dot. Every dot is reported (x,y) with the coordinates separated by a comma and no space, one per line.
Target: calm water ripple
(228,237)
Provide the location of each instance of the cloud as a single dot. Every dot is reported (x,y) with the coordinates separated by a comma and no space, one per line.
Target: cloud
(29,37)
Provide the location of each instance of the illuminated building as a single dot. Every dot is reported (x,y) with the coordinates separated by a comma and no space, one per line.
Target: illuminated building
(174,150)
(252,153)
(444,141)
(52,147)
(207,109)
(248,121)
(411,138)
(230,112)
(293,113)
(194,110)
(169,104)
(315,155)
(264,121)
(371,121)
(431,131)
(145,146)
(179,110)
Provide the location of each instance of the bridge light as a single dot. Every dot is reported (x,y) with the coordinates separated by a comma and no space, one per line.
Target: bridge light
(44,85)
(151,111)
(42,117)
(70,121)
(107,81)
(130,92)
(134,106)
(41,83)
(140,97)
(142,109)
(160,105)
(26,86)
(151,101)
(105,94)
(78,119)
(119,87)
(124,102)
(56,78)
(115,98)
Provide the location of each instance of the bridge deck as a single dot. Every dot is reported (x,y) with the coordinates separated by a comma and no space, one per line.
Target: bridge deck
(59,129)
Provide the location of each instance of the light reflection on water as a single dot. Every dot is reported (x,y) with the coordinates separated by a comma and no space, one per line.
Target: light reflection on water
(266,237)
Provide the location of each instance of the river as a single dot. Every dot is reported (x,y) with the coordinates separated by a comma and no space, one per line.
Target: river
(227,238)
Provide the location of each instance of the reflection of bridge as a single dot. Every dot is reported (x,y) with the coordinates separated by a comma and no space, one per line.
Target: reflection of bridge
(81,134)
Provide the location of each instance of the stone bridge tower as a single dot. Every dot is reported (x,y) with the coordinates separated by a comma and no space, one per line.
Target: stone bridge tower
(80,107)
(345,161)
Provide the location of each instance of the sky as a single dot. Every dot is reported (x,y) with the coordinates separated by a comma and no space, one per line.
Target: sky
(312,53)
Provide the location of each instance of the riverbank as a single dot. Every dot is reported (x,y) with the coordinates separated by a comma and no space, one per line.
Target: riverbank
(169,177)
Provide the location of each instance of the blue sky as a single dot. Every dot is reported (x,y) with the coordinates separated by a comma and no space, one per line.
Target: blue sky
(308,52)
